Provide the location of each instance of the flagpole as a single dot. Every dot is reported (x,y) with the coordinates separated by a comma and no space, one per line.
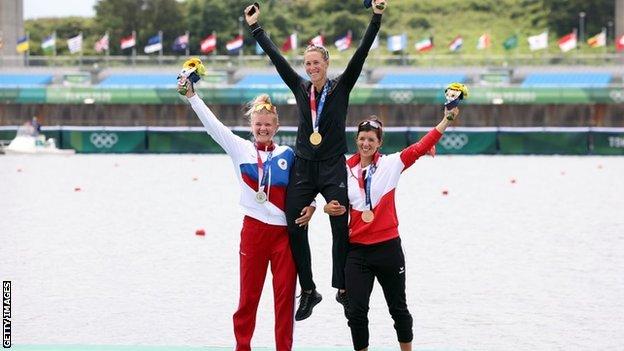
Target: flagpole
(160,52)
(214,35)
(240,32)
(54,36)
(606,45)
(81,51)
(188,44)
(27,53)
(107,53)
(134,48)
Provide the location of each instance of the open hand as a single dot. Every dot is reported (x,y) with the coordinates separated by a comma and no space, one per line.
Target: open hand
(306,215)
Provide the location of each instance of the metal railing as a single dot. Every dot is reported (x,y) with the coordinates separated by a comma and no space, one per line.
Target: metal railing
(374,60)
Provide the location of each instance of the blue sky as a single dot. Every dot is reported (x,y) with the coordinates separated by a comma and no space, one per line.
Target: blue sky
(54,8)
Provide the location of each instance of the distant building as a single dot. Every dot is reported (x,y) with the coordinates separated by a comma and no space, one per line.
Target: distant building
(11,28)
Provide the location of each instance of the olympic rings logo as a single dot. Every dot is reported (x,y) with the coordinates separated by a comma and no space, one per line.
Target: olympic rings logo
(617,95)
(454,141)
(401,96)
(104,140)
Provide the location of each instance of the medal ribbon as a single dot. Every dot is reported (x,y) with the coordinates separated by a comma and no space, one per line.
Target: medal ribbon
(367,181)
(316,116)
(263,168)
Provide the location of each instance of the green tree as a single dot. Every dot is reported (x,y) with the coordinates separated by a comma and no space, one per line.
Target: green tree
(563,15)
(146,17)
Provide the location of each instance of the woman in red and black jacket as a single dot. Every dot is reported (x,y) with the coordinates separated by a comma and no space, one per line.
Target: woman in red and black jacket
(374,245)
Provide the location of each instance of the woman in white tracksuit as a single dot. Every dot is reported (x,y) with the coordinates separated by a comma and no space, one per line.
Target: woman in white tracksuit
(374,244)
(262,168)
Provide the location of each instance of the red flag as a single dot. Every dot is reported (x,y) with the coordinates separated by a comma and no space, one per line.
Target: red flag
(619,43)
(208,44)
(317,40)
(290,43)
(128,42)
(102,44)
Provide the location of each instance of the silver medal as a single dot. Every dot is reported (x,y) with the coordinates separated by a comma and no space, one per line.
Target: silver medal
(261,197)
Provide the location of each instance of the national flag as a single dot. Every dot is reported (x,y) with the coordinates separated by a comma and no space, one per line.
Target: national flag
(568,42)
(49,43)
(317,40)
(456,43)
(619,43)
(539,41)
(234,45)
(397,42)
(154,44)
(208,44)
(75,44)
(343,43)
(424,44)
(290,43)
(180,43)
(102,44)
(23,44)
(484,41)
(598,40)
(511,42)
(128,42)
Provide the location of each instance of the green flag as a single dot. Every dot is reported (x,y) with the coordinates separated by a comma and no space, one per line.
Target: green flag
(511,42)
(49,44)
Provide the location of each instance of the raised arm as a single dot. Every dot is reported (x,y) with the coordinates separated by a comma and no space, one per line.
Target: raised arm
(230,142)
(288,74)
(410,154)
(354,68)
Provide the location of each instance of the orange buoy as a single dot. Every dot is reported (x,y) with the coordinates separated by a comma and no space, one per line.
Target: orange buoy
(200,232)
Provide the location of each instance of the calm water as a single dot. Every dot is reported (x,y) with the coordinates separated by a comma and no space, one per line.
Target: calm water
(535,264)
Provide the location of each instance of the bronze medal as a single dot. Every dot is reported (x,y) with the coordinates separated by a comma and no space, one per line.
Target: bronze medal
(316,138)
(261,197)
(368,216)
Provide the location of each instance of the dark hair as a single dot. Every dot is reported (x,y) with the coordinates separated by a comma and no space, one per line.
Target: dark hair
(371,123)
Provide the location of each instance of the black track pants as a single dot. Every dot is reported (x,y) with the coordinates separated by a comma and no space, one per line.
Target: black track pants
(307,179)
(384,261)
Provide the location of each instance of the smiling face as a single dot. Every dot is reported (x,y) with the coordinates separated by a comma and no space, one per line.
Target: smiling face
(315,66)
(367,143)
(264,126)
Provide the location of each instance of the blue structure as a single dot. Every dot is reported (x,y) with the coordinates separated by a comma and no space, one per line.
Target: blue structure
(417,80)
(567,80)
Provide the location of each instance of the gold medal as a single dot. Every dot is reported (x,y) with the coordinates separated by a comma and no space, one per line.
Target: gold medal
(368,216)
(261,197)
(315,138)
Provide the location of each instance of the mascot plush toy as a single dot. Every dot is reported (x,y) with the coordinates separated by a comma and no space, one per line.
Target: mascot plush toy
(454,93)
(192,70)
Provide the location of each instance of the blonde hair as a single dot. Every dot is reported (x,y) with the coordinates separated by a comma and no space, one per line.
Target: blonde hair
(261,99)
(320,49)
